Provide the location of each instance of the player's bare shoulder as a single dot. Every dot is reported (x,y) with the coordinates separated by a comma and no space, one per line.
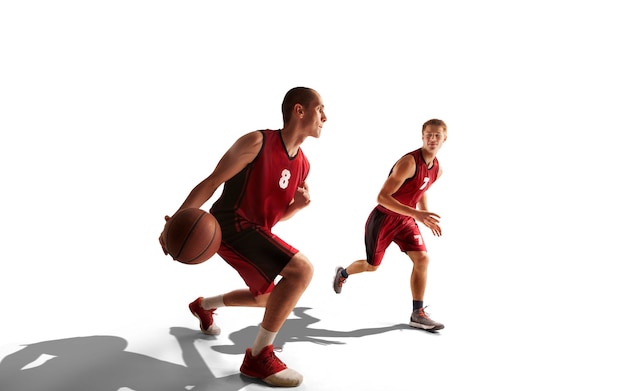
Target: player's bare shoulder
(251,140)
(405,167)
(248,146)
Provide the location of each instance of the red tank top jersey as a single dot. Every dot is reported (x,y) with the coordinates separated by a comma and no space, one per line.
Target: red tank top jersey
(412,190)
(260,193)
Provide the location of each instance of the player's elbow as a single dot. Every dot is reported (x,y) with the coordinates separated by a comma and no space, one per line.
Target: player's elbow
(382,199)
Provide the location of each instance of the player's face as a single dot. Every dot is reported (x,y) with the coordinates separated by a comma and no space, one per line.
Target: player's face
(433,138)
(314,116)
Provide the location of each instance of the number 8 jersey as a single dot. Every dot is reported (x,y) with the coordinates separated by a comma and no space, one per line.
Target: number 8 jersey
(261,192)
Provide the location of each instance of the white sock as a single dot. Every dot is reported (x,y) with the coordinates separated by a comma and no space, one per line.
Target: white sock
(212,302)
(263,338)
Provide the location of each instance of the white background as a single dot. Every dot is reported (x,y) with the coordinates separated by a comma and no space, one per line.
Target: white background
(110,113)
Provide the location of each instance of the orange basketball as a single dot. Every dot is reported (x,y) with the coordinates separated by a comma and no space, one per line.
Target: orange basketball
(192,236)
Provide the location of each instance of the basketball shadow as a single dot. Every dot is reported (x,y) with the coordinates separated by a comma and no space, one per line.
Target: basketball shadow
(102,363)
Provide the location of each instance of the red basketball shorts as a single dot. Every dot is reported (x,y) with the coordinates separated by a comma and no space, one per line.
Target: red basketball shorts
(381,229)
(256,254)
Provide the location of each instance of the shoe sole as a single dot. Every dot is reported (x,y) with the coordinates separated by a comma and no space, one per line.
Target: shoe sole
(335,279)
(425,327)
(276,381)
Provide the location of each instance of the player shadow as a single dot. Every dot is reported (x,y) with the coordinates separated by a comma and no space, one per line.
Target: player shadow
(298,330)
(102,363)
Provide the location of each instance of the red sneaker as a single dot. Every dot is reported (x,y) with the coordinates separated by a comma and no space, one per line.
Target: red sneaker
(269,368)
(205,317)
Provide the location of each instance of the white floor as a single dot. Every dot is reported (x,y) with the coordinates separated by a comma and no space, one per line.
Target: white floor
(131,330)
(112,113)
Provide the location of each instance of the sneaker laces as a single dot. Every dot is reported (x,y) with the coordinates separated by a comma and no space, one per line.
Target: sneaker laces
(423,313)
(209,318)
(272,361)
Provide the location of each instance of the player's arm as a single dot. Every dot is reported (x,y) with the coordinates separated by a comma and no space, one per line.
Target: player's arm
(239,155)
(422,204)
(401,171)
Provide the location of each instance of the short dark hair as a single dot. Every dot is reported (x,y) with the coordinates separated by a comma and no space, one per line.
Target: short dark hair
(301,95)
(435,122)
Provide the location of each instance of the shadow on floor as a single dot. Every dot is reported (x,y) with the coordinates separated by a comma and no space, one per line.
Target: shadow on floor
(101,362)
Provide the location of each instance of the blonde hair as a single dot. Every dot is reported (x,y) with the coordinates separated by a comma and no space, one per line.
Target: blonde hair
(435,122)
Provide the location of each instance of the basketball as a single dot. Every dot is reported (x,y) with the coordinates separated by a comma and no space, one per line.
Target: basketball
(192,236)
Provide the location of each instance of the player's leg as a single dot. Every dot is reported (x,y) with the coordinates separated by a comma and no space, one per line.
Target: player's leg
(378,237)
(259,260)
(204,308)
(360,266)
(260,360)
(419,273)
(242,254)
(356,267)
(244,298)
(410,241)
(296,276)
(419,277)
(235,298)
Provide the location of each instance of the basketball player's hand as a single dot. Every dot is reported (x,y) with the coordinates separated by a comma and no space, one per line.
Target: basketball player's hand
(302,197)
(430,220)
(161,238)
(435,228)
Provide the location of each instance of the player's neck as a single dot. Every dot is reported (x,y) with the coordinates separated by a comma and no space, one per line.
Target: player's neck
(292,140)
(428,157)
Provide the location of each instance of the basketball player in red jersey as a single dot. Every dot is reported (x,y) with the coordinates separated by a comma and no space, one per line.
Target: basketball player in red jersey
(264,175)
(401,204)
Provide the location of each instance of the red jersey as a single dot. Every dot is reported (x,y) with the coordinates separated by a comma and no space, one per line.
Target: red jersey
(412,190)
(261,192)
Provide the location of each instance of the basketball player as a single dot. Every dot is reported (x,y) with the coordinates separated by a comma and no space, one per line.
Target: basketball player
(264,175)
(401,204)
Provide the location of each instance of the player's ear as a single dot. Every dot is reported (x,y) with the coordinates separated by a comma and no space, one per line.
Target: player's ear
(298,110)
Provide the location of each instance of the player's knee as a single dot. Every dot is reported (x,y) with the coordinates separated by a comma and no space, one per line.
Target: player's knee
(299,267)
(261,300)
(370,268)
(306,269)
(420,259)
